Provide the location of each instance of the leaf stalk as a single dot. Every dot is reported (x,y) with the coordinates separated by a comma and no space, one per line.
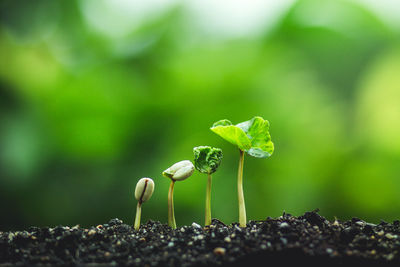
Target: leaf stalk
(138,215)
(208,201)
(242,207)
(171,215)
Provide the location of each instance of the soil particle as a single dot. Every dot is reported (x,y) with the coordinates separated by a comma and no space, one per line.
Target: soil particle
(307,239)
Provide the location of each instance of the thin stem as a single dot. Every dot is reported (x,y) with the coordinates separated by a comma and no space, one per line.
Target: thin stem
(208,201)
(171,215)
(242,207)
(138,215)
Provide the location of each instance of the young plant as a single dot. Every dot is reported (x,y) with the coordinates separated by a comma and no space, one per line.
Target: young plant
(177,172)
(251,137)
(207,160)
(143,191)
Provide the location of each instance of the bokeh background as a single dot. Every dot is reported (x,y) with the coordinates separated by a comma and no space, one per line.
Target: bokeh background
(95,94)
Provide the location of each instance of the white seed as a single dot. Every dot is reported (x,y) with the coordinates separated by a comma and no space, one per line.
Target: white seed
(180,170)
(144,189)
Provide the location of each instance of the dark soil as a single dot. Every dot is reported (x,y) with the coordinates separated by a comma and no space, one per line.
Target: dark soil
(308,239)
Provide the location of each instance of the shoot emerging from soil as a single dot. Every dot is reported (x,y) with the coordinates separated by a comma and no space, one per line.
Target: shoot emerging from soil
(206,160)
(252,137)
(177,172)
(143,191)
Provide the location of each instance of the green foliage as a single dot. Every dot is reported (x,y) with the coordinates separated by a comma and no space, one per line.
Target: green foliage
(251,136)
(207,159)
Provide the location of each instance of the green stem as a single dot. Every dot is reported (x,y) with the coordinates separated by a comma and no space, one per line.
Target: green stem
(171,215)
(138,215)
(242,207)
(208,201)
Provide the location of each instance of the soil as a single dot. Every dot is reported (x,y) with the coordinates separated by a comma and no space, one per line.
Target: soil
(307,239)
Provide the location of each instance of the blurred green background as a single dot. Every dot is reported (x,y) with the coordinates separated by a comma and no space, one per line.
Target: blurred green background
(95,94)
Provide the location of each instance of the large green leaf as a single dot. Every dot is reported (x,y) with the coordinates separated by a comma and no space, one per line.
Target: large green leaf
(251,136)
(232,134)
(207,159)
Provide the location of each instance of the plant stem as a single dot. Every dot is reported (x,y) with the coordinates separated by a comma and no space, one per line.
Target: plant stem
(242,207)
(138,215)
(171,215)
(208,201)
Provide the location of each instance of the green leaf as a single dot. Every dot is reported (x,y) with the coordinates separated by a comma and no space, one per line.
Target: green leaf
(251,136)
(207,159)
(232,134)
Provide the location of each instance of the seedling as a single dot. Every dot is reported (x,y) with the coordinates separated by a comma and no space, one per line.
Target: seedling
(143,191)
(207,160)
(251,137)
(177,172)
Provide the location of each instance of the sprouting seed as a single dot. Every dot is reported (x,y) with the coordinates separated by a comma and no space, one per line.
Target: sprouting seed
(207,160)
(143,191)
(177,172)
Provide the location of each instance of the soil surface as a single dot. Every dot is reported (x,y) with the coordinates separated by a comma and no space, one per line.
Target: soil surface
(307,239)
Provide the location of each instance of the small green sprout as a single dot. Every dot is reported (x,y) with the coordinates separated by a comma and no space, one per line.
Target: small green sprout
(207,160)
(143,191)
(177,172)
(251,137)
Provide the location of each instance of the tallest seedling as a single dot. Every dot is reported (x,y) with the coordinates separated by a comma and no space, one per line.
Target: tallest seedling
(251,137)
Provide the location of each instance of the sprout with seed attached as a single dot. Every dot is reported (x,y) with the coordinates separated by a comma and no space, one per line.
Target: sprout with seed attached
(177,172)
(207,160)
(251,137)
(144,190)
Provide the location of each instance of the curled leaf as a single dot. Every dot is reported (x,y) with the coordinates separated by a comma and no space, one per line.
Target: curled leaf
(251,136)
(207,159)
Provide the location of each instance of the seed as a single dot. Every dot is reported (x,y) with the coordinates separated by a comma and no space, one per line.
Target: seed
(180,170)
(144,189)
